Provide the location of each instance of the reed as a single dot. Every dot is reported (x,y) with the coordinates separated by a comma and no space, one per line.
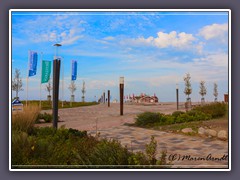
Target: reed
(24,121)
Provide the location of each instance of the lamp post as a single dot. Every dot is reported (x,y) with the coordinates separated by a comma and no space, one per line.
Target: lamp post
(177,95)
(104,96)
(56,75)
(121,88)
(108,98)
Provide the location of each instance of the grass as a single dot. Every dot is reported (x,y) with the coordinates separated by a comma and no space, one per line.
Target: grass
(24,120)
(45,105)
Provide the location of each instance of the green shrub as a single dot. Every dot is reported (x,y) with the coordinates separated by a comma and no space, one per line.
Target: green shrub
(138,158)
(109,152)
(151,150)
(47,117)
(183,118)
(198,115)
(177,113)
(147,118)
(170,119)
(215,110)
(49,146)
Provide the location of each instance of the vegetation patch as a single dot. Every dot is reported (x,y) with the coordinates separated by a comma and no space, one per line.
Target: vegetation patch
(47,147)
(45,105)
(200,113)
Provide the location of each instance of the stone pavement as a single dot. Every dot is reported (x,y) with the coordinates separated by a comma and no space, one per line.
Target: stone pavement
(184,151)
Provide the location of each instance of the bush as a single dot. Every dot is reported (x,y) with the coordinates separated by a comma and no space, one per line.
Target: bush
(177,113)
(147,118)
(49,146)
(215,110)
(198,116)
(150,119)
(47,117)
(109,152)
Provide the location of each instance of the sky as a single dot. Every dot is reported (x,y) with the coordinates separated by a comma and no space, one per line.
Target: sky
(153,51)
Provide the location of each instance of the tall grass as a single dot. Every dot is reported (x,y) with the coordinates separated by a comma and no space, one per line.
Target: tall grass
(24,121)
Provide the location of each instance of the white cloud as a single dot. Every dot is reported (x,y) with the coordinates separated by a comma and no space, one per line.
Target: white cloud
(60,28)
(214,31)
(109,38)
(101,84)
(71,40)
(164,40)
(199,47)
(173,39)
(216,60)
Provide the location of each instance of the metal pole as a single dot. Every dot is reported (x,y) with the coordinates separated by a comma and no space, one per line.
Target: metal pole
(62,81)
(121,86)
(41,81)
(27,77)
(177,96)
(108,98)
(56,73)
(104,97)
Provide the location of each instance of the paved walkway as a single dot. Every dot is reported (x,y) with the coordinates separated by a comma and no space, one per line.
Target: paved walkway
(185,151)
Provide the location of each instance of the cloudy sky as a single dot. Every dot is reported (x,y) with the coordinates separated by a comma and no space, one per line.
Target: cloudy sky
(152,50)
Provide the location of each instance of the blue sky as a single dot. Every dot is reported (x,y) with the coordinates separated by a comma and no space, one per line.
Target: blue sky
(152,50)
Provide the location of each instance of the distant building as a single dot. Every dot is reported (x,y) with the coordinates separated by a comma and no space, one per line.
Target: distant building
(226,98)
(114,101)
(143,98)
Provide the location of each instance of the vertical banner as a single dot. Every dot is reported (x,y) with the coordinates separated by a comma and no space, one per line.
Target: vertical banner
(46,71)
(33,57)
(74,70)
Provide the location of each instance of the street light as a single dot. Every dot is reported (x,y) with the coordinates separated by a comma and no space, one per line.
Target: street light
(108,98)
(177,95)
(56,74)
(104,96)
(121,88)
(56,51)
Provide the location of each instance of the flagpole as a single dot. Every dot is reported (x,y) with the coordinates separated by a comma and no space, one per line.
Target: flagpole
(62,80)
(41,82)
(27,77)
(71,84)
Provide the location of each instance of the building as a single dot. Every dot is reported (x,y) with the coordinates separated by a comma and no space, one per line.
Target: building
(226,98)
(143,98)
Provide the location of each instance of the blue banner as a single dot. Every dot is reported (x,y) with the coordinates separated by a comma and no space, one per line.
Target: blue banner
(74,70)
(33,57)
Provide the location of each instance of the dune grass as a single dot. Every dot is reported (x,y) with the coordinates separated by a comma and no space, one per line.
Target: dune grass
(24,120)
(45,105)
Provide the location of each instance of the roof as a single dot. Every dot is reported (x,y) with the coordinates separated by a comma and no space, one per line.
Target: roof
(16,102)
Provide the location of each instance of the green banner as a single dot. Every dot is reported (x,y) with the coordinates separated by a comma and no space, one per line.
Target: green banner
(46,71)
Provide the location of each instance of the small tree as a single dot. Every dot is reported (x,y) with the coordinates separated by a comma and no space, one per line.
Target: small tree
(215,91)
(17,82)
(72,87)
(188,88)
(203,90)
(83,91)
(48,89)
